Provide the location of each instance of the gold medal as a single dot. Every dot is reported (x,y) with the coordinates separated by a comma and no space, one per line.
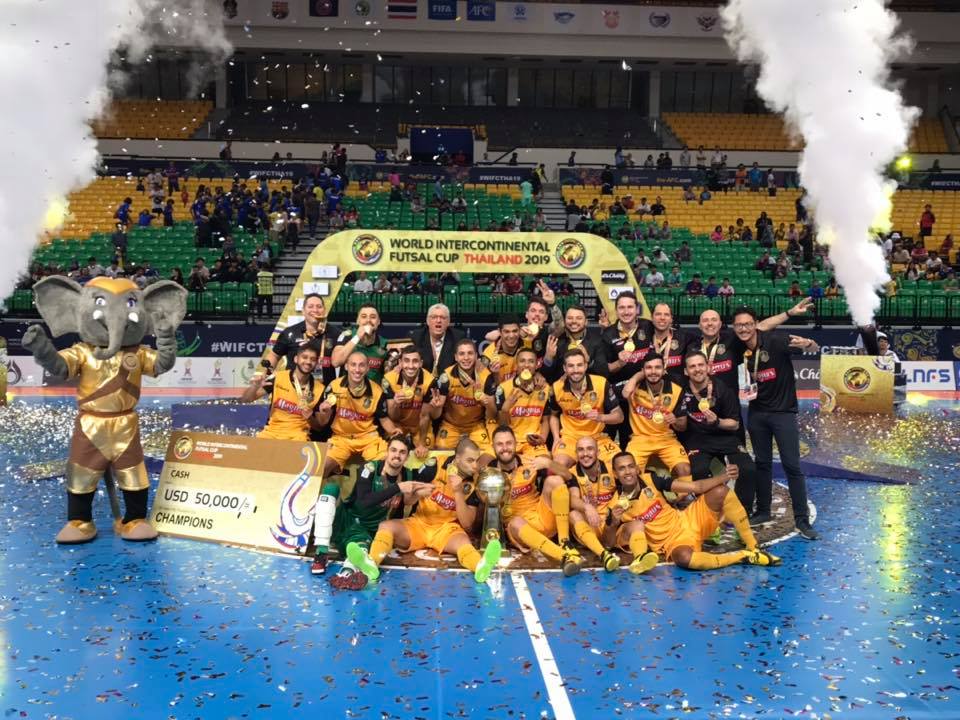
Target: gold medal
(478,394)
(704,404)
(533,329)
(585,407)
(629,346)
(407,392)
(624,502)
(526,375)
(658,417)
(331,399)
(574,344)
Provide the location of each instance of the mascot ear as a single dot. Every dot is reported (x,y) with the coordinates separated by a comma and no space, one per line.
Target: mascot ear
(58,301)
(164,297)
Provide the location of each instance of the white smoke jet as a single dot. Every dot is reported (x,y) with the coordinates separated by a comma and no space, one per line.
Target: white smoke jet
(55,79)
(825,65)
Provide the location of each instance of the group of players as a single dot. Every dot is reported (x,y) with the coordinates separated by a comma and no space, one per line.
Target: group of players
(571,415)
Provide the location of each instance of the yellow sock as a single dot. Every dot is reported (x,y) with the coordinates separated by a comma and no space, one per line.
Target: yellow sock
(381,546)
(538,541)
(468,556)
(588,537)
(638,544)
(711,561)
(560,504)
(733,511)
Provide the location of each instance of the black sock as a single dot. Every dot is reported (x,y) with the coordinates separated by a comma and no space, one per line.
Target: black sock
(80,506)
(135,502)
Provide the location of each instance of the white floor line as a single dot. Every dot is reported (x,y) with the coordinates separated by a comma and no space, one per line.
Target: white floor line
(556,692)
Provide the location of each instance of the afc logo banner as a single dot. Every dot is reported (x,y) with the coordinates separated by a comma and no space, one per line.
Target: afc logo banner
(483,10)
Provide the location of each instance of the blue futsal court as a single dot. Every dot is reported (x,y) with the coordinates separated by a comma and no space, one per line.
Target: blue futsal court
(862,624)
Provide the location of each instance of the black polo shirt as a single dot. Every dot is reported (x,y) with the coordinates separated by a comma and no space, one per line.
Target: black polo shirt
(591,342)
(290,340)
(776,387)
(613,343)
(721,359)
(700,435)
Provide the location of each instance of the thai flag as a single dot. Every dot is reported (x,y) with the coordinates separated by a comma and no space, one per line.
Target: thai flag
(402,9)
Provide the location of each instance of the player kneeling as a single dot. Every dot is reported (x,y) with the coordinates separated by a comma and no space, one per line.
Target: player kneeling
(538,506)
(442,513)
(679,534)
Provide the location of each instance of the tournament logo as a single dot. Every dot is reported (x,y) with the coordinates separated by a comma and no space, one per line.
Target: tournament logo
(293,529)
(659,20)
(183,448)
(571,253)
(611,18)
(367,249)
(707,22)
(564,17)
(362,8)
(856,379)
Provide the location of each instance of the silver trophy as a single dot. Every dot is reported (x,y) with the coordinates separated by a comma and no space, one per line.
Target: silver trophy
(493,487)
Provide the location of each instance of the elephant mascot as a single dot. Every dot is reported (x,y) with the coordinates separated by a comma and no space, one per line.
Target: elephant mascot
(111,316)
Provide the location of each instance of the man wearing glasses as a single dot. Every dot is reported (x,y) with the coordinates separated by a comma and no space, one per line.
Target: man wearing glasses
(772,394)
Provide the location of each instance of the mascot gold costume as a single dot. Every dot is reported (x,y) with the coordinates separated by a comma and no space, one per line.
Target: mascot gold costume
(111,316)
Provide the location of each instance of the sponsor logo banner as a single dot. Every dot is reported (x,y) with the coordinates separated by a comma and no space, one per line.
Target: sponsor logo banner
(442,9)
(482,10)
(931,375)
(613,276)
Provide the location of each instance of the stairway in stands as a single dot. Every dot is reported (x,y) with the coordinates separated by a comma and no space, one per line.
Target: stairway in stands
(289,266)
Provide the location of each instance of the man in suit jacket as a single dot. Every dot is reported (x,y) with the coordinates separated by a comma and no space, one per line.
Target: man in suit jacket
(437,340)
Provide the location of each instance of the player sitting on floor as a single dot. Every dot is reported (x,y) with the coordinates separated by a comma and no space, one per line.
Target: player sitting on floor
(438,522)
(678,535)
(593,491)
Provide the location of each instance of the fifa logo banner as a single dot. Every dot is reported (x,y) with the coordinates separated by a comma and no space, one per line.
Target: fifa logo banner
(856,383)
(239,490)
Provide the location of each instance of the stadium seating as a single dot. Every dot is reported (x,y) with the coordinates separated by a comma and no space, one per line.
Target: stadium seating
(732,131)
(172,119)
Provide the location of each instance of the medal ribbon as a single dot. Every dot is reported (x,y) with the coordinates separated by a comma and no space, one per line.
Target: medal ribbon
(664,345)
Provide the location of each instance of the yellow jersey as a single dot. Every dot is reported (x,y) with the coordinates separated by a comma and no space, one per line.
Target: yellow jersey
(660,519)
(572,407)
(525,484)
(441,505)
(644,405)
(410,398)
(355,416)
(287,404)
(601,493)
(508,362)
(463,409)
(527,413)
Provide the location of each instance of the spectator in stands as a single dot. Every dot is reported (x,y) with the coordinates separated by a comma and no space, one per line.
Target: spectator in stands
(675,278)
(765,262)
(685,158)
(795,291)
(701,158)
(654,277)
(93,269)
(832,290)
(815,291)
(771,183)
(716,162)
(912,272)
(705,195)
(618,159)
(665,233)
(919,253)
(382,285)
(659,256)
(740,178)
(643,208)
(167,211)
(658,207)
(717,235)
(199,276)
(572,160)
(927,220)
(526,192)
(900,254)
(573,214)
(746,236)
(606,181)
(539,180)
(333,199)
(641,261)
(711,290)
(601,214)
(695,286)
(950,283)
(933,267)
(513,285)
(628,202)
(140,188)
(800,207)
(113,270)
(145,218)
(652,230)
(363,284)
(667,160)
(684,254)
(946,246)
(226,151)
(726,289)
(688,194)
(119,241)
(617,208)
(733,234)
(540,223)
(513,160)
(123,211)
(783,266)
(756,177)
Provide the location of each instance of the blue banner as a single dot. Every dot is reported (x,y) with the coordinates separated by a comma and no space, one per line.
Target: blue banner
(483,10)
(442,9)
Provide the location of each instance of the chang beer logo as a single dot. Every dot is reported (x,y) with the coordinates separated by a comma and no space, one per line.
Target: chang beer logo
(367,249)
(571,253)
(184,348)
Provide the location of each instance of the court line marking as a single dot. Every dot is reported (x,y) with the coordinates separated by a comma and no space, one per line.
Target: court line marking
(556,692)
